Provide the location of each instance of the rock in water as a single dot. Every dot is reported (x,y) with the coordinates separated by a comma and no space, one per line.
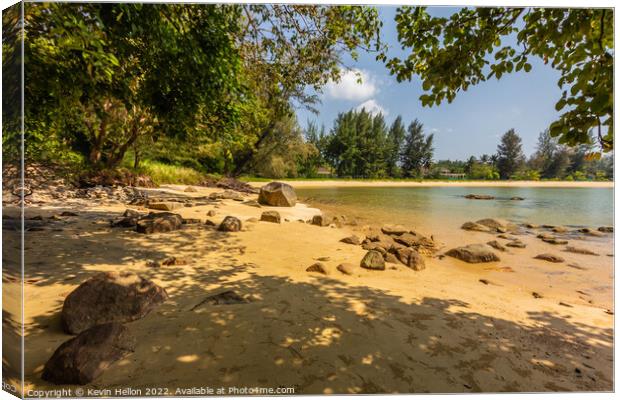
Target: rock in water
(373,260)
(110,297)
(606,229)
(317,267)
(351,240)
(82,359)
(277,194)
(500,225)
(479,197)
(159,222)
(473,226)
(270,216)
(473,253)
(230,224)
(549,257)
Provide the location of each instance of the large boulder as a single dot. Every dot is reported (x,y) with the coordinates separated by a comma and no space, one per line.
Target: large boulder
(277,194)
(159,222)
(82,359)
(110,297)
(473,253)
(373,260)
(411,258)
(230,224)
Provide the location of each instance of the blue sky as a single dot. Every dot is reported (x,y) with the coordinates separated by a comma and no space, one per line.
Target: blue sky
(471,125)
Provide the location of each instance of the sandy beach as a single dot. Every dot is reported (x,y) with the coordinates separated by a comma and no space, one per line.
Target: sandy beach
(450,328)
(433,183)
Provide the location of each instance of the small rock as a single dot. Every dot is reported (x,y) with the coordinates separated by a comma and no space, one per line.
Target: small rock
(500,225)
(473,253)
(351,240)
(225,298)
(496,245)
(190,189)
(394,229)
(152,264)
(531,226)
(472,226)
(323,259)
(507,237)
(560,229)
(554,240)
(82,359)
(270,216)
(211,213)
(230,224)
(549,257)
(318,220)
(373,260)
(159,223)
(536,295)
(486,282)
(479,197)
(591,232)
(346,268)
(174,261)
(565,305)
(165,205)
(606,229)
(68,214)
(191,221)
(580,250)
(517,198)
(210,223)
(390,258)
(516,244)
(318,267)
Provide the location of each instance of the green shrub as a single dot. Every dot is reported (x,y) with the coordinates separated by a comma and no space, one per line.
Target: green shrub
(162,173)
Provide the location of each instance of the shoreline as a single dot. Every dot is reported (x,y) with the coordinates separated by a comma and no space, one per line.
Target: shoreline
(379,183)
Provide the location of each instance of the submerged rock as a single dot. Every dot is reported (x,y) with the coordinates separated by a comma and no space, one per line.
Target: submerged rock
(473,253)
(110,297)
(373,260)
(82,359)
(479,197)
(606,229)
(277,194)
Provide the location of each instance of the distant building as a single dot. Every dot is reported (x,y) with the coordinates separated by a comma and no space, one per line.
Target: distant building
(445,173)
(323,172)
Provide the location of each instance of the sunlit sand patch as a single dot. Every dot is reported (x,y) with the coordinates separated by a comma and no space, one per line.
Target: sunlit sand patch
(188,358)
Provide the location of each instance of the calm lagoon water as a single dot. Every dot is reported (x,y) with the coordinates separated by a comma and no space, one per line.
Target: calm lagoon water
(433,206)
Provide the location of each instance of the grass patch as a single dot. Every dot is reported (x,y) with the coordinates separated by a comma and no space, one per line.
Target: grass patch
(163,174)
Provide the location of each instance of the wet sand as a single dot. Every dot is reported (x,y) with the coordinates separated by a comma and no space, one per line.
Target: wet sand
(393,331)
(439,183)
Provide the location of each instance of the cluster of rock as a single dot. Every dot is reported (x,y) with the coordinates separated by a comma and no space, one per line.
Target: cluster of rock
(96,312)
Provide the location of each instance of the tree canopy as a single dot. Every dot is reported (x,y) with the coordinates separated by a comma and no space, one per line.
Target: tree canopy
(450,54)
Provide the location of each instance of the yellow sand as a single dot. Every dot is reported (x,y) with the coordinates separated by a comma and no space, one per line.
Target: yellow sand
(392,331)
(455,183)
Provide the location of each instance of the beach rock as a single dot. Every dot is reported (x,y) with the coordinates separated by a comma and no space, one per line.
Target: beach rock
(82,359)
(174,261)
(191,221)
(270,216)
(228,297)
(415,261)
(159,223)
(507,237)
(560,229)
(318,267)
(351,240)
(472,226)
(394,229)
(546,226)
(390,258)
(346,268)
(554,240)
(479,197)
(606,229)
(251,203)
(277,194)
(500,225)
(132,213)
(210,223)
(516,244)
(496,245)
(226,195)
(318,220)
(414,239)
(230,224)
(591,232)
(517,198)
(164,205)
(190,189)
(544,236)
(68,214)
(549,257)
(376,246)
(125,222)
(373,260)
(580,250)
(531,226)
(473,253)
(110,297)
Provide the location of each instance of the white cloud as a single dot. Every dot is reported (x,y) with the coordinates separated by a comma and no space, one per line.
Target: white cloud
(348,88)
(372,107)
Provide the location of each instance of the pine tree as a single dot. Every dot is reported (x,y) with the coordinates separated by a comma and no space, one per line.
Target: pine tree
(510,157)
(418,151)
(393,148)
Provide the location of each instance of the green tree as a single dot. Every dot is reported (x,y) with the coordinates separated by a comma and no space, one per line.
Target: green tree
(393,148)
(510,157)
(418,150)
(450,54)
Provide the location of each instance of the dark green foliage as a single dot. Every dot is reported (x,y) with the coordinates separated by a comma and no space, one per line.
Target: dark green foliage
(417,154)
(394,144)
(450,54)
(510,157)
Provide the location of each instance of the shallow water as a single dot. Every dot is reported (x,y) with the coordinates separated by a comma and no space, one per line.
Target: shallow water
(434,206)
